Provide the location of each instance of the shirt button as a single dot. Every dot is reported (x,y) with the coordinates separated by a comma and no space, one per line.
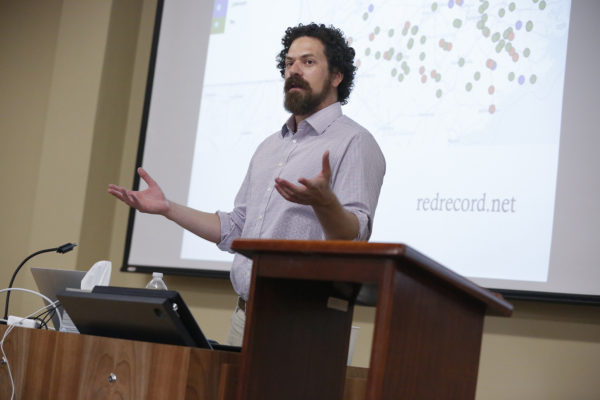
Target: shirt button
(280,164)
(260,217)
(294,141)
(269,189)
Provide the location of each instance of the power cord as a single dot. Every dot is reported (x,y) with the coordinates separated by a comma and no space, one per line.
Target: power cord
(11,327)
(53,303)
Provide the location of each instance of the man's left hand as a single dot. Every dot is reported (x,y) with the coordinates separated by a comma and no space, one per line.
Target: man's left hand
(314,192)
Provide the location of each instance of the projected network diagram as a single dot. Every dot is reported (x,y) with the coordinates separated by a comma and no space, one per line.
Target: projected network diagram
(463,96)
(413,43)
(458,58)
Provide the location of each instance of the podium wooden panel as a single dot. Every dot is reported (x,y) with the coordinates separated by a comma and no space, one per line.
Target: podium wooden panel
(428,322)
(54,365)
(63,366)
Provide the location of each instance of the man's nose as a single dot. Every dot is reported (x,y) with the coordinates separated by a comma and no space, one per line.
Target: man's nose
(294,69)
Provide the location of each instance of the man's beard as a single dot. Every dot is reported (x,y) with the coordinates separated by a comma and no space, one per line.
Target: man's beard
(305,101)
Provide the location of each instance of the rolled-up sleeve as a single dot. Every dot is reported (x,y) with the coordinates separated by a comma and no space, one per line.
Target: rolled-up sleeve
(231,228)
(358,179)
(232,223)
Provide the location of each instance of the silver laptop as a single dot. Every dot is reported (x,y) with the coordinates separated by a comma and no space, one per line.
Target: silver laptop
(51,281)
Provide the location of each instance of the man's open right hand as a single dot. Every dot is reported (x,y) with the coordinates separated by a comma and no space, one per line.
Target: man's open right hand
(151,200)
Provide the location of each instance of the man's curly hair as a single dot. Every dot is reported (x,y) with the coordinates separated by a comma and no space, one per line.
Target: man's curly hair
(340,56)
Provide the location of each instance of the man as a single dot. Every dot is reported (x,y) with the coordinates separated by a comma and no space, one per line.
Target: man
(342,161)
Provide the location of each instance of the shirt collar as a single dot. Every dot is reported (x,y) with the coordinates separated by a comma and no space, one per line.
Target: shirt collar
(319,121)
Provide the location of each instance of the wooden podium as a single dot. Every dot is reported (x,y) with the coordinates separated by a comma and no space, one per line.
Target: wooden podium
(66,366)
(428,321)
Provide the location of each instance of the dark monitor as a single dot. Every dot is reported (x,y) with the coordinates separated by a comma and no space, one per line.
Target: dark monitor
(159,316)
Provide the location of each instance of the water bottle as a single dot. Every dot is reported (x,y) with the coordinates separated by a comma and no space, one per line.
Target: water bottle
(157,282)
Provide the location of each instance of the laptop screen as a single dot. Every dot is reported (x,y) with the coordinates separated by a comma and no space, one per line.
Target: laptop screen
(51,281)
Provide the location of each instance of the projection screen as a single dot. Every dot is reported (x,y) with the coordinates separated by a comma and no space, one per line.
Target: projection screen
(484,111)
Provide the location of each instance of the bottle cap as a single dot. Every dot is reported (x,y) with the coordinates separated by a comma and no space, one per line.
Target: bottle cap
(157,275)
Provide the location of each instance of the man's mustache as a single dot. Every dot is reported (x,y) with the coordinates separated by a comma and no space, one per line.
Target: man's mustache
(295,82)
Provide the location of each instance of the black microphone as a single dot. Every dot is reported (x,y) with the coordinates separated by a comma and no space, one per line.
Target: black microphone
(65,248)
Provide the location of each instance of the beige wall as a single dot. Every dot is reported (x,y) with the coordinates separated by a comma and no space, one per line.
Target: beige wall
(72,81)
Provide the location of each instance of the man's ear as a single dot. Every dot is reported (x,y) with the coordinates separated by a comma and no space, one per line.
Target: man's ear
(336,78)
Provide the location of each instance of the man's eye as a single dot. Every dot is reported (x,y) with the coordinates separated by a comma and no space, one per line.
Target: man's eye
(309,62)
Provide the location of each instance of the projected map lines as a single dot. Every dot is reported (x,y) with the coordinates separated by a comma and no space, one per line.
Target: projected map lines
(483,49)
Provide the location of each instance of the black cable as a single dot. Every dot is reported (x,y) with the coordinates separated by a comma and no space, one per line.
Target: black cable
(41,321)
(46,316)
(65,248)
(51,313)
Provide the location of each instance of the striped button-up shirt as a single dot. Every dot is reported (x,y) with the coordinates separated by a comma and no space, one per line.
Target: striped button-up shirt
(357,170)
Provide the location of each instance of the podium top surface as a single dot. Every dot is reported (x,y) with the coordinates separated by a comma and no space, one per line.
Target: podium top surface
(251,246)
(494,302)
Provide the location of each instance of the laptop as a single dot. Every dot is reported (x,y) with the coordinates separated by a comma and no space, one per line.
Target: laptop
(51,281)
